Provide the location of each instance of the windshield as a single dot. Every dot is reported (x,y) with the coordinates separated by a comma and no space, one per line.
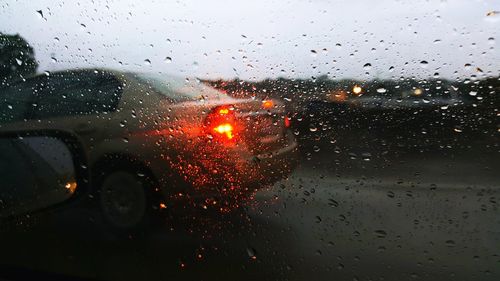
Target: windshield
(335,140)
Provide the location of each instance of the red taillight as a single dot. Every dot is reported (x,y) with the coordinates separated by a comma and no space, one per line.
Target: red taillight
(225,129)
(287,122)
(221,124)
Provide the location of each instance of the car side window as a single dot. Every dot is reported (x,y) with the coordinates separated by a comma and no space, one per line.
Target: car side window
(19,100)
(80,93)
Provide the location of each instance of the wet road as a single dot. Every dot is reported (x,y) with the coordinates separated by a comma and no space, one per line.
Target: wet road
(347,213)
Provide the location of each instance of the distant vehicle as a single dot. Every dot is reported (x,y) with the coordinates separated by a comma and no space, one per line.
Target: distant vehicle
(150,138)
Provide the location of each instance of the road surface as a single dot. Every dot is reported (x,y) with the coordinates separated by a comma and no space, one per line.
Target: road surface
(348,212)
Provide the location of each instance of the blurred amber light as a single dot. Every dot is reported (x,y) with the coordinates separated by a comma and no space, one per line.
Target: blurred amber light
(71,186)
(337,96)
(267,104)
(357,89)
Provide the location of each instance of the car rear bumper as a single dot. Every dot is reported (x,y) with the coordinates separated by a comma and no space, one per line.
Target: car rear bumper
(234,172)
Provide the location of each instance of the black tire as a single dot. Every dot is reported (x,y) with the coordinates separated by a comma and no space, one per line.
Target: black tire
(126,200)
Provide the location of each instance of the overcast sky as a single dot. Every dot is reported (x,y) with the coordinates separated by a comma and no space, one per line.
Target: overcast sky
(262,38)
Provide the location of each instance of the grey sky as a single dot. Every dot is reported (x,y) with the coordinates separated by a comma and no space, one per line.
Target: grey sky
(262,38)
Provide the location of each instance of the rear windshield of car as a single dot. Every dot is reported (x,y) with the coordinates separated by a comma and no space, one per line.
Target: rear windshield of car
(180,89)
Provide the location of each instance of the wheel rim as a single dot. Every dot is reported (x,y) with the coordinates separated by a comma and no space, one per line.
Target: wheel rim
(123,199)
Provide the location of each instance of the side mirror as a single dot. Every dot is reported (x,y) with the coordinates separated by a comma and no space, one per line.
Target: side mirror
(39,170)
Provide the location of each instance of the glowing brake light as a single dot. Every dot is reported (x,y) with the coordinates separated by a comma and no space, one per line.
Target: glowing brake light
(221,124)
(287,122)
(223,111)
(225,129)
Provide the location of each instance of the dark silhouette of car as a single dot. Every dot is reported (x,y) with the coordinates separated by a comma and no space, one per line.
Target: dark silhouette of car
(152,139)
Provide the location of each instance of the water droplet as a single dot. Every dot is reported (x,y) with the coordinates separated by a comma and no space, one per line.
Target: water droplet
(472,93)
(366,156)
(367,66)
(168,60)
(313,53)
(251,253)
(381,90)
(450,243)
(492,13)
(40,14)
(313,129)
(380,233)
(147,62)
(53,60)
(424,64)
(333,203)
(19,62)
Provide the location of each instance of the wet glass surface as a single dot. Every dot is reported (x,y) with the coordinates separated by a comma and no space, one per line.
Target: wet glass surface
(270,140)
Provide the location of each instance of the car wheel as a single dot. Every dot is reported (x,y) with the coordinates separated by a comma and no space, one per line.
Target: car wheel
(125,202)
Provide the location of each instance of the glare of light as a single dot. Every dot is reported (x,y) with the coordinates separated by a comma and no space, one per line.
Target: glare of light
(417,92)
(337,96)
(163,206)
(224,111)
(267,103)
(357,89)
(71,186)
(225,129)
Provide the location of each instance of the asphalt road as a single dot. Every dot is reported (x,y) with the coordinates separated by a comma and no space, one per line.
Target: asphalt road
(349,212)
